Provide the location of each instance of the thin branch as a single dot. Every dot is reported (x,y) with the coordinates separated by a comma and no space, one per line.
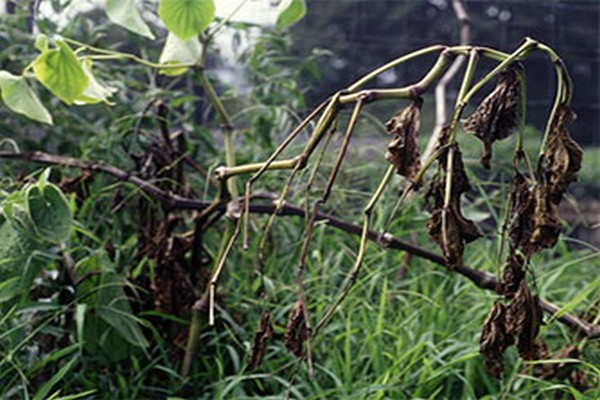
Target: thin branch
(481,279)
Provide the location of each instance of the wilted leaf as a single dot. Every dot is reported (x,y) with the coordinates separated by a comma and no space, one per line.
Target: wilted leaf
(558,370)
(523,320)
(513,275)
(125,14)
(403,150)
(546,219)
(495,339)
(19,97)
(497,115)
(186,18)
(521,227)
(563,155)
(448,227)
(263,333)
(60,71)
(290,12)
(295,331)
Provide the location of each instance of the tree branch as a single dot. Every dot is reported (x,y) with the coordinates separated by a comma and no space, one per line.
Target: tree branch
(481,279)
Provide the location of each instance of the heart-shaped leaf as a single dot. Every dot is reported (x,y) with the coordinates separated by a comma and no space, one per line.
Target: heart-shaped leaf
(186,18)
(125,13)
(19,97)
(290,12)
(49,211)
(94,92)
(177,51)
(61,73)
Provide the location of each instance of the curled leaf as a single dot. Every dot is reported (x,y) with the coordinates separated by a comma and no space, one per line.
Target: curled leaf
(513,275)
(447,226)
(495,339)
(295,331)
(521,226)
(523,320)
(546,219)
(403,150)
(263,333)
(563,155)
(497,115)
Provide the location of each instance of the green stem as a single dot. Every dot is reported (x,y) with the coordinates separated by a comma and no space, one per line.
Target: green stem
(558,100)
(117,55)
(226,125)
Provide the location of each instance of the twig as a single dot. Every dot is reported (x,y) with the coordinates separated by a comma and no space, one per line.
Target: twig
(481,279)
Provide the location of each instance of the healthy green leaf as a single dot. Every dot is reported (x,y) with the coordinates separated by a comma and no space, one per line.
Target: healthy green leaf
(186,18)
(177,51)
(290,12)
(49,211)
(61,73)
(125,13)
(19,97)
(41,43)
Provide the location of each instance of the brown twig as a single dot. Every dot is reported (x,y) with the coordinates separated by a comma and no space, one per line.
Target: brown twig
(481,279)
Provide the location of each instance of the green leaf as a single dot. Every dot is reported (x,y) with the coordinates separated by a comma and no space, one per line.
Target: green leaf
(186,18)
(290,12)
(61,73)
(49,211)
(125,14)
(95,92)
(177,51)
(19,97)
(41,42)
(45,389)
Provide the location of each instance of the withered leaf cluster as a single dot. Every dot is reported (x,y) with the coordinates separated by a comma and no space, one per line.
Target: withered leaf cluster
(403,149)
(498,114)
(262,335)
(536,223)
(447,226)
(296,330)
(512,276)
(516,323)
(563,155)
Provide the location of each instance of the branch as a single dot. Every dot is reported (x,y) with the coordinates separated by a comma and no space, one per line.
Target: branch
(481,279)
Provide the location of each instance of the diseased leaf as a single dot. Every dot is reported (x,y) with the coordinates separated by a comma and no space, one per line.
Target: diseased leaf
(497,115)
(545,218)
(61,73)
(177,51)
(558,370)
(295,331)
(262,335)
(522,225)
(186,18)
(563,155)
(403,150)
(495,339)
(523,320)
(126,14)
(513,275)
(19,97)
(290,12)
(448,227)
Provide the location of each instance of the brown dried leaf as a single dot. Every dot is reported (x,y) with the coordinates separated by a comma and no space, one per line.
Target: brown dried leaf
(498,114)
(563,155)
(558,370)
(521,227)
(523,320)
(545,218)
(403,150)
(295,332)
(513,275)
(449,228)
(263,333)
(495,339)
